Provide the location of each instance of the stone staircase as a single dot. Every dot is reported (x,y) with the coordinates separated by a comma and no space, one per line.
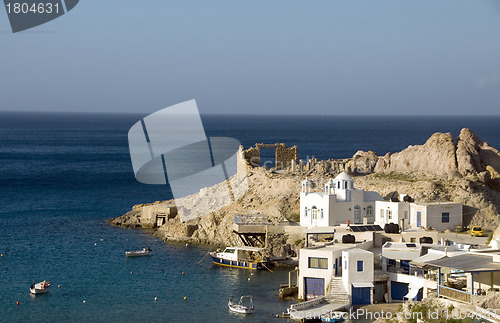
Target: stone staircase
(338,294)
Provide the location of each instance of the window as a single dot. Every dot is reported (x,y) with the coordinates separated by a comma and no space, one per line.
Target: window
(382,214)
(406,215)
(360,265)
(305,211)
(389,214)
(345,264)
(369,211)
(321,214)
(314,213)
(319,263)
(445,217)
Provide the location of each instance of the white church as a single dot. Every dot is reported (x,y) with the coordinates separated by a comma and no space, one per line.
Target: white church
(338,203)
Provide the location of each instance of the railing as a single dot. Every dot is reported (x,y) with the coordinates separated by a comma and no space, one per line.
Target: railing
(250,219)
(456,294)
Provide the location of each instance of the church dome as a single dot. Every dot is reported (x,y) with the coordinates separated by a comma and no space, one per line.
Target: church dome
(343,177)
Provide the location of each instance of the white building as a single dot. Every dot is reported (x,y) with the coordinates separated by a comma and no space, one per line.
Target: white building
(342,270)
(439,216)
(392,212)
(358,275)
(338,203)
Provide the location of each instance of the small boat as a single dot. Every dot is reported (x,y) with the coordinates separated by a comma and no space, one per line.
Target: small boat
(138,253)
(334,316)
(241,307)
(40,288)
(239,257)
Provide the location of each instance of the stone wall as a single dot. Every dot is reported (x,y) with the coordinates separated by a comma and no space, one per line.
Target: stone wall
(286,158)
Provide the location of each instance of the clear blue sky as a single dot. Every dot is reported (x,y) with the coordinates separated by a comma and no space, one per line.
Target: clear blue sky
(256,56)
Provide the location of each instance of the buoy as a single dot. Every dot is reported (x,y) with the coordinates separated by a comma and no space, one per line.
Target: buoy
(17,303)
(131,273)
(185,298)
(95,244)
(83,301)
(248,278)
(102,239)
(170,289)
(272,314)
(156,298)
(187,244)
(1,255)
(183,273)
(58,286)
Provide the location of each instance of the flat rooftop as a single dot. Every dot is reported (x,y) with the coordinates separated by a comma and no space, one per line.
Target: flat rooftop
(468,262)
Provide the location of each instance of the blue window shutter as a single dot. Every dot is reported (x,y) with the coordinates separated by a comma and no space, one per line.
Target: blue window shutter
(360,265)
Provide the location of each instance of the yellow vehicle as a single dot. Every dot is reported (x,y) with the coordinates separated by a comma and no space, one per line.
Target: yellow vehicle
(476,231)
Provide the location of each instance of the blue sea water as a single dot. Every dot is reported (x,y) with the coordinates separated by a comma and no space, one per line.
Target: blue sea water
(63,175)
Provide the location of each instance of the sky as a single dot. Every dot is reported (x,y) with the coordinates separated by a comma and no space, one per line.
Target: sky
(426,57)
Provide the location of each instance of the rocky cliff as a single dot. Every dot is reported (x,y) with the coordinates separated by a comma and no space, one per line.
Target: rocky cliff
(464,170)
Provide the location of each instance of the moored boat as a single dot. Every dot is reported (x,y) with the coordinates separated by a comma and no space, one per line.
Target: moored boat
(138,253)
(334,316)
(40,288)
(239,257)
(244,306)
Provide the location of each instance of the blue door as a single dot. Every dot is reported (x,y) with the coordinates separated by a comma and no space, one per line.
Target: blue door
(398,291)
(360,295)
(419,219)
(314,287)
(336,266)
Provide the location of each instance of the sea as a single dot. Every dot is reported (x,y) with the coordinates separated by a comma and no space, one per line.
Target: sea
(63,175)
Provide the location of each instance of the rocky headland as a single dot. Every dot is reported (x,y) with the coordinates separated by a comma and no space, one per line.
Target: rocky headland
(464,170)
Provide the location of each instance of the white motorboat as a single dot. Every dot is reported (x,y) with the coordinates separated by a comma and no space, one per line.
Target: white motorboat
(138,253)
(243,307)
(40,288)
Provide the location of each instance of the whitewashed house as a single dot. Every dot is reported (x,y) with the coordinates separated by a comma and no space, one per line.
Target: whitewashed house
(358,275)
(392,212)
(338,203)
(439,215)
(334,270)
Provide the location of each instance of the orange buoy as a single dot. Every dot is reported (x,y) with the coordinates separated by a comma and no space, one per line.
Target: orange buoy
(185,298)
(183,273)
(58,286)
(17,303)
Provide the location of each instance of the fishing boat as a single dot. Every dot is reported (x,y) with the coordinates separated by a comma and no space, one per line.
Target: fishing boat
(40,288)
(138,253)
(239,257)
(334,316)
(244,306)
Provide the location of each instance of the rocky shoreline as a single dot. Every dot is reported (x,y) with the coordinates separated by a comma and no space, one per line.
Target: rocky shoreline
(464,170)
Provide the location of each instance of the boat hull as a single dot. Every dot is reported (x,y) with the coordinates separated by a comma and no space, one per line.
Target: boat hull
(236,264)
(240,309)
(38,288)
(137,253)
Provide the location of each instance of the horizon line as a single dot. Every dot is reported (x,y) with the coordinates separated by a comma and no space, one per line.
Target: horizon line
(251,114)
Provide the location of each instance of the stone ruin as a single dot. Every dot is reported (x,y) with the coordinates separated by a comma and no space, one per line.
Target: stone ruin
(286,158)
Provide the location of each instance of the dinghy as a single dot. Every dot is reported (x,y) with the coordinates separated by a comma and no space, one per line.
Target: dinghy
(138,253)
(243,307)
(40,288)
